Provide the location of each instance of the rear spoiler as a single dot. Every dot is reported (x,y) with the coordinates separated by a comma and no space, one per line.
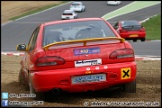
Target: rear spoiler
(84,41)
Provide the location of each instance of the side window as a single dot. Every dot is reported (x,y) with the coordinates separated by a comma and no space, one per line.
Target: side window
(33,39)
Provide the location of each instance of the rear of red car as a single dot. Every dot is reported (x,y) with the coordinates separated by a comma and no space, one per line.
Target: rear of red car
(132,30)
(94,60)
(80,69)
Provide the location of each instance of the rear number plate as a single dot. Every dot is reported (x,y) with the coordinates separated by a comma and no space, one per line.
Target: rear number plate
(133,35)
(88,78)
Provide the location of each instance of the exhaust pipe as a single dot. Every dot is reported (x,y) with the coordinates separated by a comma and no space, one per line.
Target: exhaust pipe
(56,91)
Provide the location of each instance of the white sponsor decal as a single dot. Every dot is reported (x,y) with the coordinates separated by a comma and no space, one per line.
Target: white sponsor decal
(90,62)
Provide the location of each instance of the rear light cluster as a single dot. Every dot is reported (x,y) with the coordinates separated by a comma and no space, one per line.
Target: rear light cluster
(142,30)
(122,53)
(50,61)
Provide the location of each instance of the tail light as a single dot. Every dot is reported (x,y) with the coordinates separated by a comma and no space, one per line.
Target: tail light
(50,61)
(122,53)
(142,29)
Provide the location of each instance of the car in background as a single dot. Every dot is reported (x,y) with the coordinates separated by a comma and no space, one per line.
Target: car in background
(113,2)
(69,14)
(76,55)
(77,6)
(130,30)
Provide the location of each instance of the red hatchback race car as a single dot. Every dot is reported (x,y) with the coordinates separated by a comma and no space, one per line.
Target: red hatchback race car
(77,55)
(130,30)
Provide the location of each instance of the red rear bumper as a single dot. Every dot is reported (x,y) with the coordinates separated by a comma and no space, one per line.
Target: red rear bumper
(137,35)
(46,80)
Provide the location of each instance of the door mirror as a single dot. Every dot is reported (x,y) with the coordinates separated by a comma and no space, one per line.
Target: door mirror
(115,27)
(21,47)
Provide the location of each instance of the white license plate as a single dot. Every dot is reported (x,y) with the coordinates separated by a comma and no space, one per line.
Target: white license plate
(88,78)
(89,62)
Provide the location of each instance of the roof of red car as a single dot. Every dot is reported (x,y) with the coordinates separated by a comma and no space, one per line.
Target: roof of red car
(72,20)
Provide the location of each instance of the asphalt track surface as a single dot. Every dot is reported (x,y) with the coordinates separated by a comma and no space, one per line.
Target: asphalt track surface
(20,31)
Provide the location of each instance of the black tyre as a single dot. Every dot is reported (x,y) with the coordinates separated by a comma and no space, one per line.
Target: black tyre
(134,40)
(84,9)
(21,78)
(50,97)
(129,87)
(143,39)
(22,81)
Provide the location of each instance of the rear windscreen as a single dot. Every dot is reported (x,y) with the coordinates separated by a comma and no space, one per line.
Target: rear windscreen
(76,5)
(76,31)
(131,25)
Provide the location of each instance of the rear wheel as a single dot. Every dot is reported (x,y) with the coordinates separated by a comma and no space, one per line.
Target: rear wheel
(129,87)
(50,97)
(134,40)
(143,39)
(21,78)
(22,81)
(75,17)
(84,9)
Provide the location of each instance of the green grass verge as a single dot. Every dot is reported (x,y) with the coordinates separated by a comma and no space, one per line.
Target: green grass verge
(37,10)
(153,28)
